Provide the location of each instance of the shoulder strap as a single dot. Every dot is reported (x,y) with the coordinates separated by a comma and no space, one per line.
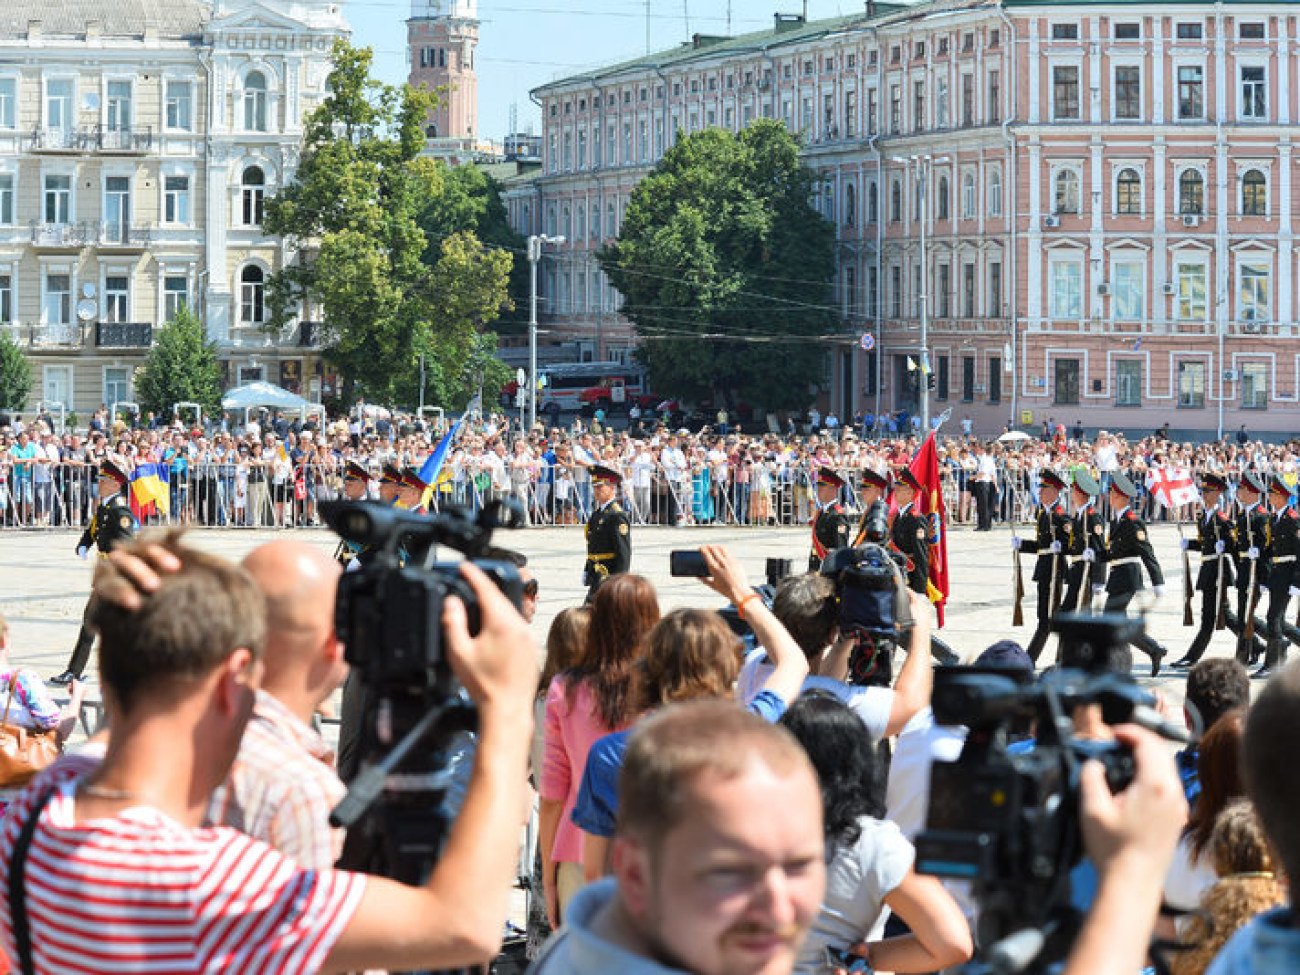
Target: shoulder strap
(18,887)
(13,689)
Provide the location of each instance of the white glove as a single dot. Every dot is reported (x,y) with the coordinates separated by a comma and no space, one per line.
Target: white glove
(82,551)
(1015,544)
(1184,544)
(1055,548)
(1220,547)
(1252,552)
(1293,591)
(1089,555)
(1158,590)
(1098,590)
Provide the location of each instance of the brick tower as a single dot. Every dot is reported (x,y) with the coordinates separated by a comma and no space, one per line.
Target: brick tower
(442,36)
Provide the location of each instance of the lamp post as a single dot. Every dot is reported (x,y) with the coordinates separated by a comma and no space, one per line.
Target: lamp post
(535,243)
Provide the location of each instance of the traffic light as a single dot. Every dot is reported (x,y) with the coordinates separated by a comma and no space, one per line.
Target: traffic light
(931,383)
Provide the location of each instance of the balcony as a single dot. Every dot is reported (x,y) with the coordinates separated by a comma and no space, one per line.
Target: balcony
(61,139)
(35,335)
(138,139)
(308,335)
(93,138)
(61,236)
(123,236)
(123,335)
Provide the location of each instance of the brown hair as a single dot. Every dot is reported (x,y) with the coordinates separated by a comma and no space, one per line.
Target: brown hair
(671,749)
(805,605)
(1218,766)
(1272,737)
(184,630)
(564,643)
(623,611)
(690,654)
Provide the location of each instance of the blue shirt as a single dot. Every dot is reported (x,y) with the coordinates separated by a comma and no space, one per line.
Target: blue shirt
(1268,945)
(597,806)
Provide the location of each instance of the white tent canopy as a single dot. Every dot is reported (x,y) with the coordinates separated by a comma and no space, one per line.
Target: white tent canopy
(259,393)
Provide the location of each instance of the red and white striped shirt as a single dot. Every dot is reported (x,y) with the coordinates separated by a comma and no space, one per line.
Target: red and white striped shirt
(140,892)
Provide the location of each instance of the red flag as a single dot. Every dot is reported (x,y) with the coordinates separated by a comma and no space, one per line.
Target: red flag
(925,467)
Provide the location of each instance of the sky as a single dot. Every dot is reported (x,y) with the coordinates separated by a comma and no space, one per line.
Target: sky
(526,43)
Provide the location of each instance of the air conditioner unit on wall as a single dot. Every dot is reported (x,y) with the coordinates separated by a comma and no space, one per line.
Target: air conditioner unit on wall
(1103,289)
(1052,222)
(1191,220)
(1169,288)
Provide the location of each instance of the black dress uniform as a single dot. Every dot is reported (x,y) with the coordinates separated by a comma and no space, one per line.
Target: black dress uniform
(1283,547)
(111,525)
(1251,536)
(609,540)
(830,529)
(870,480)
(1051,542)
(910,536)
(1214,540)
(354,477)
(1085,555)
(1128,551)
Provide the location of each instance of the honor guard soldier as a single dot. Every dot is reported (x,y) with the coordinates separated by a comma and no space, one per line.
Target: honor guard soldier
(410,491)
(1085,553)
(875,487)
(356,487)
(1214,540)
(830,529)
(909,534)
(609,539)
(1283,546)
(1050,542)
(1128,551)
(390,483)
(1252,568)
(111,525)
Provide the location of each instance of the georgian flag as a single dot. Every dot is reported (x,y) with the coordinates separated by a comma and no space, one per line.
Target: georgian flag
(1172,486)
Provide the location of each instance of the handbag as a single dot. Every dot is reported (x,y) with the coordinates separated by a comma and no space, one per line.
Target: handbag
(23,751)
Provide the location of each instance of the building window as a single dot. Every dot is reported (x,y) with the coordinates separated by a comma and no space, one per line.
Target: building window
(944,296)
(117,207)
(1253,31)
(1254,194)
(995,192)
(850,205)
(252,295)
(1066,384)
(968,195)
(995,379)
(6,298)
(58,199)
(1129,291)
(118,106)
(850,290)
(967,100)
(56,302)
(117,298)
(967,378)
(1065,92)
(1254,386)
(1253,297)
(995,289)
(59,115)
(968,290)
(582,148)
(1128,32)
(873,208)
(255,102)
(895,201)
(176,199)
(580,223)
(1067,289)
(252,196)
(896,291)
(1191,192)
(918,105)
(1128,92)
(1253,98)
(872,112)
(994,108)
(941,199)
(1128,382)
(1065,32)
(1191,385)
(1065,192)
(941,378)
(8,103)
(1189,32)
(176,295)
(1128,192)
(117,384)
(1191,91)
(941,103)
(873,292)
(851,114)
(6,199)
(179,105)
(1190,280)
(895,109)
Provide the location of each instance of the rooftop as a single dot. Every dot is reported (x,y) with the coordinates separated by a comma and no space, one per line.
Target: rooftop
(116,18)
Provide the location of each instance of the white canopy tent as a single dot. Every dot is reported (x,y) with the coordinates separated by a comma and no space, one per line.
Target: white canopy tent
(256,394)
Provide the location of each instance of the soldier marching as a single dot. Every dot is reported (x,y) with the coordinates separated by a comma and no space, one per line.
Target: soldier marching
(1216,542)
(1052,536)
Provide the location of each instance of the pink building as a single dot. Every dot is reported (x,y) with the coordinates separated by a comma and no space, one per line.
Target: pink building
(442,38)
(1106,191)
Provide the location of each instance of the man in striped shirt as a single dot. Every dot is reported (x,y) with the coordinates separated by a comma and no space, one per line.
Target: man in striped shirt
(120,876)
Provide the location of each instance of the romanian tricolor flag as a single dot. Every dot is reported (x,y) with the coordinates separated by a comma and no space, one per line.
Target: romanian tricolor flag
(925,467)
(150,490)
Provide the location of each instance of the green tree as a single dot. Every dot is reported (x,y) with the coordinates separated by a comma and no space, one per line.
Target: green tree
(15,375)
(181,367)
(350,215)
(725,269)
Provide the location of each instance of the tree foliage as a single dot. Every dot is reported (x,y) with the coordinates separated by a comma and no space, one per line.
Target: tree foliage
(351,216)
(15,375)
(725,269)
(181,367)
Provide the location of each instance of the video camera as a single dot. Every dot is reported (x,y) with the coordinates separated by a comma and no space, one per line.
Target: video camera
(1008,821)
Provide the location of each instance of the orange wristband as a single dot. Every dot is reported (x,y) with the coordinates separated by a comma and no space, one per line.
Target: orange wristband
(740,606)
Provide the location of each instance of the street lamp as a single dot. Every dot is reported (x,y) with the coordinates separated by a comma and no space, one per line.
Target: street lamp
(535,243)
(921,173)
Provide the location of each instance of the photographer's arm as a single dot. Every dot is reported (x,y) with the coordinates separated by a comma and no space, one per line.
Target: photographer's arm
(457,917)
(916,678)
(727,577)
(1131,838)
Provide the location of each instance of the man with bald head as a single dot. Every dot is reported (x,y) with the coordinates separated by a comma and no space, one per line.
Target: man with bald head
(282,785)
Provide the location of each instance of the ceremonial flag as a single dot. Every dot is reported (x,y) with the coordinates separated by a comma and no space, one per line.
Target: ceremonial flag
(925,467)
(150,491)
(431,471)
(1172,486)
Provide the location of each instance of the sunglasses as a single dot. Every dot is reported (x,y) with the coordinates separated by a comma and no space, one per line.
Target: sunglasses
(530,589)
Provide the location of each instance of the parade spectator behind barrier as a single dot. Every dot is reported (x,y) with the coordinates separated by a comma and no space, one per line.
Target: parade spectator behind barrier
(32,706)
(869,863)
(718,858)
(564,643)
(179,675)
(690,655)
(1214,687)
(583,704)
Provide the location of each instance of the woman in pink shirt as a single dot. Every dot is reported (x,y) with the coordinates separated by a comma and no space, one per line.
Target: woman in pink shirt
(583,704)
